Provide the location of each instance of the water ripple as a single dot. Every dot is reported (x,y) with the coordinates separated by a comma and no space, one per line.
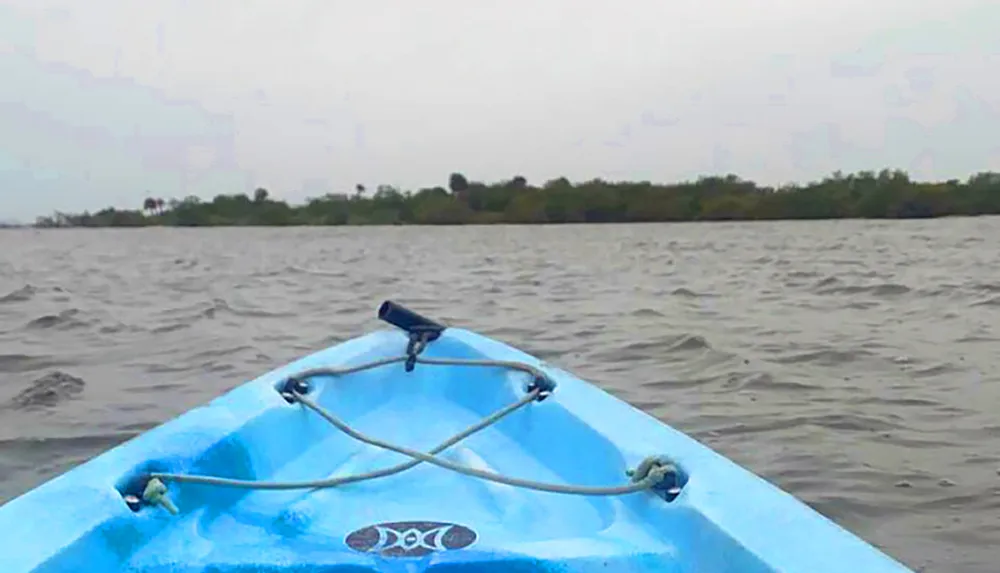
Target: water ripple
(852,362)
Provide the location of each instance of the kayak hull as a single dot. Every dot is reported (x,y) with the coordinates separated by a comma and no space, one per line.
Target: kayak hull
(426,518)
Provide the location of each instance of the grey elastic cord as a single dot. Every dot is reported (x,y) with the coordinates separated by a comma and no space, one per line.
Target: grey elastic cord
(332,482)
(652,471)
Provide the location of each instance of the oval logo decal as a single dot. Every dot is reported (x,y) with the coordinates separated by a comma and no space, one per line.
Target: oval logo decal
(410,538)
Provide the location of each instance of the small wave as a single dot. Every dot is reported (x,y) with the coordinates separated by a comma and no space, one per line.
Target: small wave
(211,310)
(680,383)
(686,342)
(992,301)
(222,306)
(259,313)
(132,429)
(940,290)
(861,304)
(843,508)
(883,289)
(661,348)
(119,327)
(65,320)
(842,422)
(68,442)
(216,367)
(23,294)
(186,264)
(688,293)
(48,390)
(647,312)
(169,328)
(160,388)
(934,370)
(738,428)
(221,352)
(987,287)
(764,381)
(826,282)
(826,357)
(909,401)
(793,274)
(26,363)
(982,460)
(168,368)
(292,269)
(214,308)
(982,498)
(561,319)
(527,279)
(853,422)
(976,338)
(480,272)
(198,309)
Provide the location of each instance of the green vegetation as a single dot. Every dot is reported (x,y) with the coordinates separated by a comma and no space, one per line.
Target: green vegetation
(887,194)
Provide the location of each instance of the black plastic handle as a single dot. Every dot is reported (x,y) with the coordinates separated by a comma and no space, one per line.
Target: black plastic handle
(405,319)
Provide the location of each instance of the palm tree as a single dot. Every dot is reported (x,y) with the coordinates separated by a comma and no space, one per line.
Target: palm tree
(459,186)
(458,183)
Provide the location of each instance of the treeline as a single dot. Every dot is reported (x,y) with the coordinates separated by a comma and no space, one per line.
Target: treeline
(886,194)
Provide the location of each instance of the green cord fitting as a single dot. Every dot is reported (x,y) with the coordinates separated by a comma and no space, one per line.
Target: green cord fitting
(653,468)
(156,493)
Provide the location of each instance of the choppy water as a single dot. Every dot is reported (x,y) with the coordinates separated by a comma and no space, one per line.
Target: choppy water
(856,364)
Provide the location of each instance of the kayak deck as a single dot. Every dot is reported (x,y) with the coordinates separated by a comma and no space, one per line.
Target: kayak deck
(417,410)
(263,527)
(426,518)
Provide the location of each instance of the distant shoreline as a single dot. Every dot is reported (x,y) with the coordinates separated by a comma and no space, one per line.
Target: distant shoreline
(478,224)
(888,194)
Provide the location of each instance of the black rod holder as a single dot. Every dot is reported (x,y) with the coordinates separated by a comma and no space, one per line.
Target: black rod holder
(413,323)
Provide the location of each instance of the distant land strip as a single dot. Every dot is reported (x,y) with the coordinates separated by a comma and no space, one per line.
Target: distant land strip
(887,194)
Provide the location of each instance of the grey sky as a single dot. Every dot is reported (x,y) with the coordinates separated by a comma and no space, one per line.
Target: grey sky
(103,101)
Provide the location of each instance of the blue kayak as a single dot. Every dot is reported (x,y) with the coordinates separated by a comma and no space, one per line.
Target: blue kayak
(419,448)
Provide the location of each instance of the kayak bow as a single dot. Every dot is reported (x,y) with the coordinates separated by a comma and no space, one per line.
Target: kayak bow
(487,459)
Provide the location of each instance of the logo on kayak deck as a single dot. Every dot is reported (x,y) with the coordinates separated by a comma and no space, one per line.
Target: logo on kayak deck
(410,538)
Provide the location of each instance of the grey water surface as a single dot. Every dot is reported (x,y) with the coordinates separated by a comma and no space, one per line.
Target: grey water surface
(855,364)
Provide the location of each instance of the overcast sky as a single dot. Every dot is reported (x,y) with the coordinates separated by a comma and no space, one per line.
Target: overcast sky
(104,101)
